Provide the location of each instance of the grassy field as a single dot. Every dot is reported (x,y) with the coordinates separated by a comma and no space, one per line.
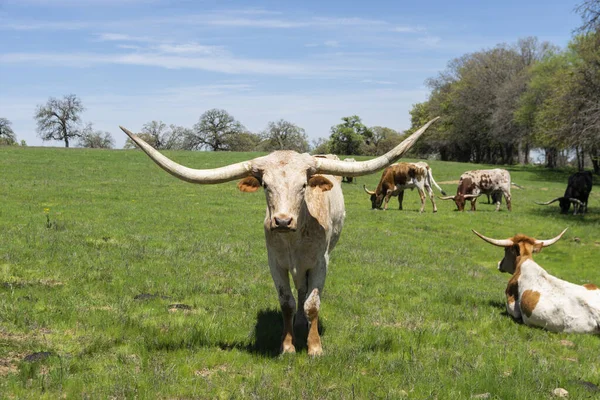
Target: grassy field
(120,281)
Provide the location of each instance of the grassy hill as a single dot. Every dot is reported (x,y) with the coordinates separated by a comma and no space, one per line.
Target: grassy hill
(119,281)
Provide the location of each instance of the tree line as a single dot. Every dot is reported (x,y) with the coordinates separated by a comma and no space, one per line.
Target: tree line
(499,103)
(216,130)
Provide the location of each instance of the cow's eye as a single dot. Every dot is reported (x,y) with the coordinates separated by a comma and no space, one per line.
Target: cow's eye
(265,186)
(304,186)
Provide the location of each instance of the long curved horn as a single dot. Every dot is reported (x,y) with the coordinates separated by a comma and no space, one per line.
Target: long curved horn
(495,242)
(546,243)
(335,167)
(446,197)
(203,176)
(472,196)
(572,200)
(548,202)
(367,190)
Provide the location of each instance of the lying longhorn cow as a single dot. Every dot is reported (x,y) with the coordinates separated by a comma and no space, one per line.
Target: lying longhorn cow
(304,218)
(473,184)
(577,193)
(401,176)
(543,300)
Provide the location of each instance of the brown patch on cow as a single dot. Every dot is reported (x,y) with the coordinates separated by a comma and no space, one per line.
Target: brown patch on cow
(512,289)
(320,181)
(249,184)
(529,301)
(590,286)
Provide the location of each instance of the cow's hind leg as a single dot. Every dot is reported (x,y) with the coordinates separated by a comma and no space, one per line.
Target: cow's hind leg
(288,304)
(507,197)
(431,197)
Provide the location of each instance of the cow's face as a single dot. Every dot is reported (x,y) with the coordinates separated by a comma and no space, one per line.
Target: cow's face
(522,246)
(376,200)
(285,181)
(460,201)
(565,204)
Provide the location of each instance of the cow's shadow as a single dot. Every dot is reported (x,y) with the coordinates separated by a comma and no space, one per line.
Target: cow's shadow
(266,338)
(502,306)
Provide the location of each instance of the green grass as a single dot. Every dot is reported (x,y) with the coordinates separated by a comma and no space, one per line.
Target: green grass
(413,305)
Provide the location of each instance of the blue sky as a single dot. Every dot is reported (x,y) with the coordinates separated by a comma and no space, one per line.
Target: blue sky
(309,62)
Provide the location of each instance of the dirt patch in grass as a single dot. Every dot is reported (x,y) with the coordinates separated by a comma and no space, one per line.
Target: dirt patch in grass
(9,363)
(448,183)
(207,372)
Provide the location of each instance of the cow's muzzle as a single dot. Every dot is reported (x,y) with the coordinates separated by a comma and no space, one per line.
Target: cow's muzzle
(283,223)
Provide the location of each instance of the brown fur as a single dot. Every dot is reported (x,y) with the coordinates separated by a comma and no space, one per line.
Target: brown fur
(512,289)
(590,286)
(529,301)
(249,184)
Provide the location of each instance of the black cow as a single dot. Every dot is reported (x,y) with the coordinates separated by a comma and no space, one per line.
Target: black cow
(578,192)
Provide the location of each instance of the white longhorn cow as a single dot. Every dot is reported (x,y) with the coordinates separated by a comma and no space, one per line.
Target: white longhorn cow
(541,299)
(304,219)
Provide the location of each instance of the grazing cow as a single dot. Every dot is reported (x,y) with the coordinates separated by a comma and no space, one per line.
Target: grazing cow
(473,184)
(304,219)
(541,299)
(349,179)
(400,176)
(578,192)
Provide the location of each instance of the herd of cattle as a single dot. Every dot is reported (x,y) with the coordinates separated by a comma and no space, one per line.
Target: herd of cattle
(305,214)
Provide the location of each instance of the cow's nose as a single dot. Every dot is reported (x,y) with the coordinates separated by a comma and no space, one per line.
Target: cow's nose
(283,222)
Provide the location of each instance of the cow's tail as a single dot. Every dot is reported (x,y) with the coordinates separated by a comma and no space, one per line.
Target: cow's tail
(430,177)
(519,186)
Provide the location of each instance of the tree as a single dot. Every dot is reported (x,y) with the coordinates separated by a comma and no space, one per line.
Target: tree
(384,139)
(216,130)
(59,119)
(245,141)
(95,139)
(346,138)
(284,135)
(7,135)
(590,14)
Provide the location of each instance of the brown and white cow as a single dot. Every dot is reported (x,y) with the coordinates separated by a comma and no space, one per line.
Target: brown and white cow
(473,184)
(304,219)
(541,299)
(401,176)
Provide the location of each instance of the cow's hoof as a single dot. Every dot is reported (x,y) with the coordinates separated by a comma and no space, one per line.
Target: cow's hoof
(315,351)
(288,349)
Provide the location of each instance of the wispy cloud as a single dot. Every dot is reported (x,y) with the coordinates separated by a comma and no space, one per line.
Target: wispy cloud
(407,29)
(430,40)
(226,65)
(43,25)
(378,82)
(120,37)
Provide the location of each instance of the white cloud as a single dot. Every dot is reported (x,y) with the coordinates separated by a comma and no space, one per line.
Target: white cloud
(120,37)
(378,82)
(430,40)
(407,29)
(191,48)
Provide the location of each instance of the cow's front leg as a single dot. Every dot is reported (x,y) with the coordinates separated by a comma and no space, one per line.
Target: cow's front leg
(316,281)
(288,304)
(400,198)
(311,309)
(473,206)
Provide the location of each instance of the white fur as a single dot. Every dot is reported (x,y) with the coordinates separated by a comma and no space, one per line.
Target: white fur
(562,306)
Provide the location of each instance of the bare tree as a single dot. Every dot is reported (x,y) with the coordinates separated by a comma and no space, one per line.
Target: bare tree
(7,135)
(590,13)
(214,131)
(94,139)
(284,135)
(59,119)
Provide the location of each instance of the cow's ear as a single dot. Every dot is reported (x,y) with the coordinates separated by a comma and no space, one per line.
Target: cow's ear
(537,247)
(249,184)
(320,181)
